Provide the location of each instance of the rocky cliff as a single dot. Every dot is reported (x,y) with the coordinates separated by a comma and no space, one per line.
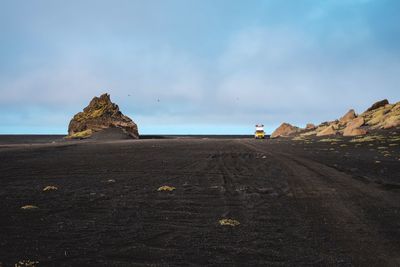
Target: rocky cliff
(100,114)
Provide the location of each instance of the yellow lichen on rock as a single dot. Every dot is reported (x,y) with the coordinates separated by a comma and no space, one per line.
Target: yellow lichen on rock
(229,222)
(81,135)
(99,115)
(166,188)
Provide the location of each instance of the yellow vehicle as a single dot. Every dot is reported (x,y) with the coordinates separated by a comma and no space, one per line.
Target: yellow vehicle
(259,133)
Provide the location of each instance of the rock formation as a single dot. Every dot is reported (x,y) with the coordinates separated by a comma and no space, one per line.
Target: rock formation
(350,115)
(100,114)
(378,104)
(329,130)
(353,127)
(381,115)
(285,129)
(310,126)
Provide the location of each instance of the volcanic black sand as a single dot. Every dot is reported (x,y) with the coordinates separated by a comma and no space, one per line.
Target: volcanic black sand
(308,202)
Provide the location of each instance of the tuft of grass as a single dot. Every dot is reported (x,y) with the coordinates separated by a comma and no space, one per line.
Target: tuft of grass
(395,139)
(81,135)
(329,140)
(29,207)
(368,138)
(26,263)
(166,188)
(229,222)
(50,188)
(343,145)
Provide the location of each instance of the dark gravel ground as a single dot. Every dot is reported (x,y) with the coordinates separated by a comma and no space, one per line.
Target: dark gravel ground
(310,202)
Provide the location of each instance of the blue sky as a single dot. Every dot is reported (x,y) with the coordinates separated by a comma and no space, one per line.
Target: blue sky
(196,66)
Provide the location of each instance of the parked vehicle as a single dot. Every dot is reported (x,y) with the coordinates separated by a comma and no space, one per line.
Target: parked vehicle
(259,133)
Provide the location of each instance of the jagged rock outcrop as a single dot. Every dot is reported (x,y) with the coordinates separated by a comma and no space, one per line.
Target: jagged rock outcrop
(353,127)
(383,117)
(329,130)
(284,130)
(349,116)
(378,104)
(310,126)
(100,114)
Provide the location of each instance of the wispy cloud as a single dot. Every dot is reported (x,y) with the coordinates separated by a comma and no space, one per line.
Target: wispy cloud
(212,65)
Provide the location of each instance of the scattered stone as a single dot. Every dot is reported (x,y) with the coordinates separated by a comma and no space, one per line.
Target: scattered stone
(29,207)
(166,188)
(50,188)
(110,181)
(229,222)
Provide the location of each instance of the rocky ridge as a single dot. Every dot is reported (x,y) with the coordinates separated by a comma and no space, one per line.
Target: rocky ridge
(381,115)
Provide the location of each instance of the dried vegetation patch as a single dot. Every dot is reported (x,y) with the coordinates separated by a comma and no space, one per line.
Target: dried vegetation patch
(229,222)
(166,188)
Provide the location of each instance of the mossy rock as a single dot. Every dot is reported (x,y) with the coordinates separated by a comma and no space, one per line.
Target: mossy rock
(100,114)
(81,135)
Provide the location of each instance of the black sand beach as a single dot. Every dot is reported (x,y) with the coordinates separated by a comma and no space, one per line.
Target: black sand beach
(312,202)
